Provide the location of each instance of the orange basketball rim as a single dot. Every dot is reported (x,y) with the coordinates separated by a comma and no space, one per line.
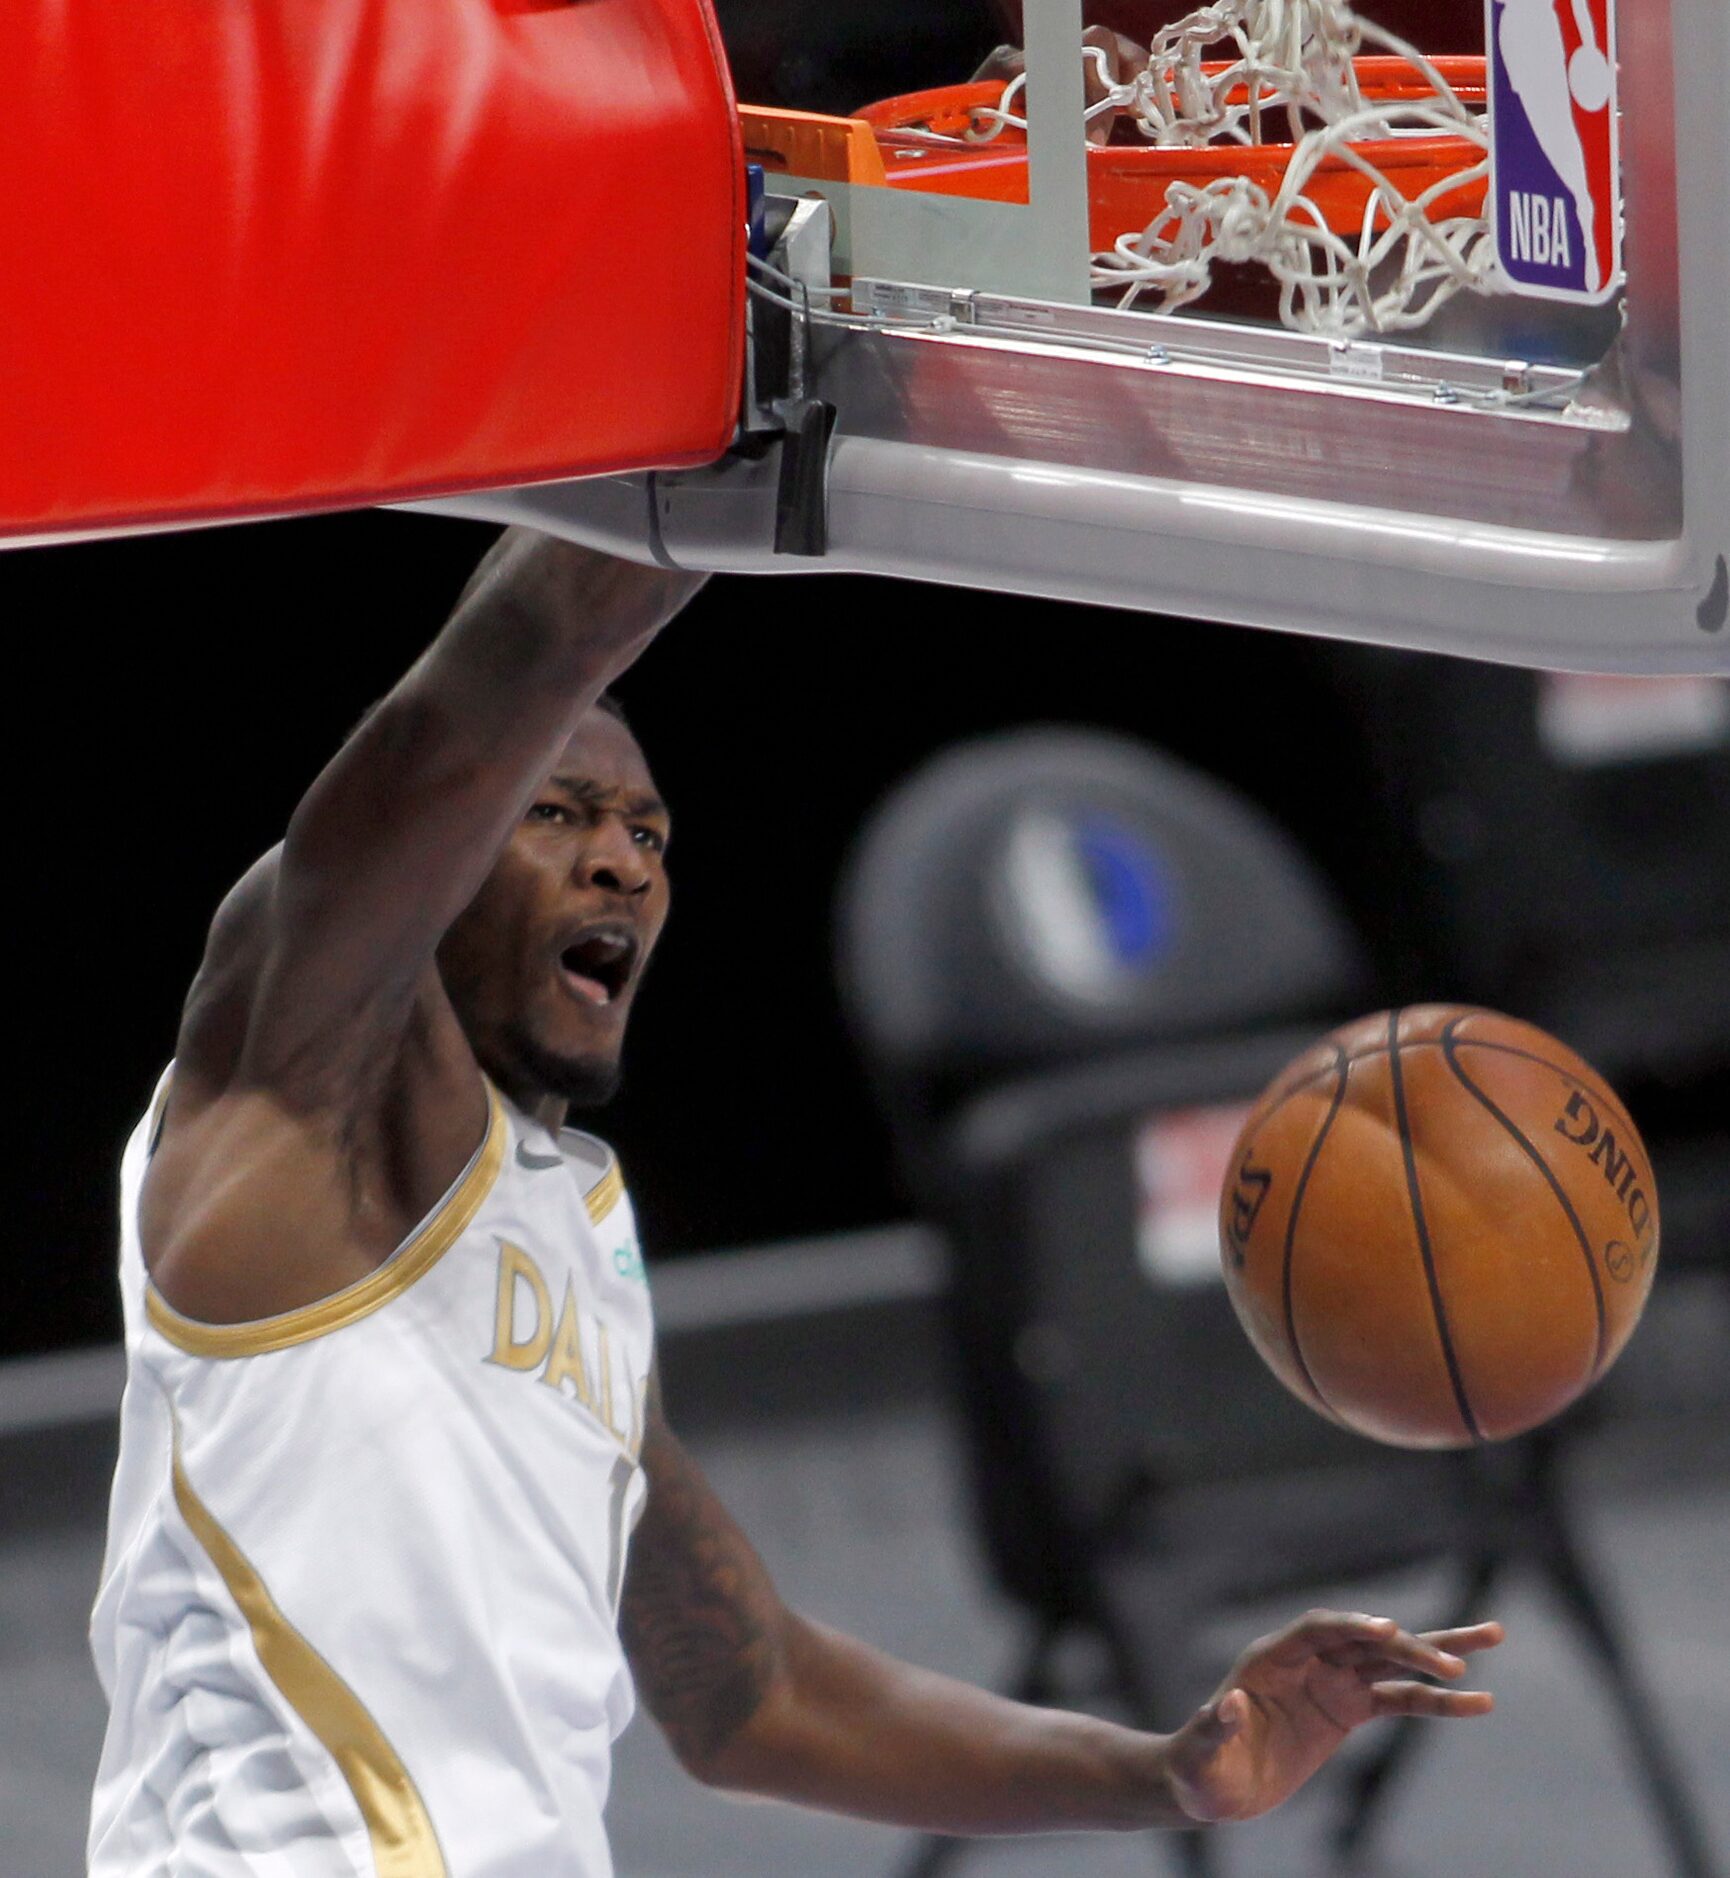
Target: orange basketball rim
(915,142)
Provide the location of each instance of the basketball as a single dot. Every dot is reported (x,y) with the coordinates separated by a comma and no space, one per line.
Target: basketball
(1439,1227)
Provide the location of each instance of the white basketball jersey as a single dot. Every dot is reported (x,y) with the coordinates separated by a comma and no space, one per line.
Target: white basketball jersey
(358,1610)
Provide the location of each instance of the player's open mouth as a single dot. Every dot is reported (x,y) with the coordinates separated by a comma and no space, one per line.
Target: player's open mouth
(597,964)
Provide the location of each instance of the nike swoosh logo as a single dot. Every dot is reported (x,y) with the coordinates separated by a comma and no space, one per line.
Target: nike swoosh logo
(526,1159)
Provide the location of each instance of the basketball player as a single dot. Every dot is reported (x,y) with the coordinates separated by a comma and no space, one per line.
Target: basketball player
(1109,59)
(391,1417)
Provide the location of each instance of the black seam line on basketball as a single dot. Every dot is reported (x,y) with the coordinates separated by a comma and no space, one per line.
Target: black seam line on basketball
(1529,1149)
(1356,1056)
(1598,1088)
(1342,1069)
(1409,1151)
(1433,1043)
(1360,1056)
(1305,1083)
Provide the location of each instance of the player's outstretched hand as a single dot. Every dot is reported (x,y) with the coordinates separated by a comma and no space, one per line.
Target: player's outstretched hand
(1292,1698)
(1108,59)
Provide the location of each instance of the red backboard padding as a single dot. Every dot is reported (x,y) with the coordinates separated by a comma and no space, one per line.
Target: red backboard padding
(267,255)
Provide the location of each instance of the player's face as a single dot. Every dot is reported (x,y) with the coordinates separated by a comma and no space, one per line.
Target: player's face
(544,964)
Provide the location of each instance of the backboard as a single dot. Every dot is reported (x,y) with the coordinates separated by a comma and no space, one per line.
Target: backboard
(1299,323)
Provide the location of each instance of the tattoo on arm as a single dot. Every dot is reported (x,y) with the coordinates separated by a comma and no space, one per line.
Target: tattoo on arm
(700,1620)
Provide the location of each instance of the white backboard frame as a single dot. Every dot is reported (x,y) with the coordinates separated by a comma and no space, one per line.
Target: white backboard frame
(1136,481)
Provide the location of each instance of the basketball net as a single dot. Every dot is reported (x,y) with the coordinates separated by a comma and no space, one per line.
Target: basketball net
(1256,72)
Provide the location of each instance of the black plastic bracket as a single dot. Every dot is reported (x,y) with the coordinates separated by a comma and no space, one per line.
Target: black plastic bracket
(802,495)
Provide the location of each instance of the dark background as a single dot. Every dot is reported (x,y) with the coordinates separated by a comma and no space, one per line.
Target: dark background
(173,695)
(853,51)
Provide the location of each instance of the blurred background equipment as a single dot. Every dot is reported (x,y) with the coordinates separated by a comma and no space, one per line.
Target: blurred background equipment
(1073,965)
(1562,850)
(1439,1227)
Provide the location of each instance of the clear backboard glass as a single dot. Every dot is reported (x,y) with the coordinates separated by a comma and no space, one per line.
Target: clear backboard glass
(1368,321)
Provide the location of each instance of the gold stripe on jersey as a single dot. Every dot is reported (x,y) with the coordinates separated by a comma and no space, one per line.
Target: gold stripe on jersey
(428,1244)
(605,1194)
(404,1844)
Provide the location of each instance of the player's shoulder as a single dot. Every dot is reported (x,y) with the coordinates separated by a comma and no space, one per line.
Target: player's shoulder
(609,1208)
(242,916)
(213,1019)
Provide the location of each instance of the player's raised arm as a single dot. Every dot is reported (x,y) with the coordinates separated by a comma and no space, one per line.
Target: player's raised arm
(395,836)
(757,1699)
(326,1089)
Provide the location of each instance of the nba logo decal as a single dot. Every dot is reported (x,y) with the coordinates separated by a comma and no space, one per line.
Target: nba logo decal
(1554,176)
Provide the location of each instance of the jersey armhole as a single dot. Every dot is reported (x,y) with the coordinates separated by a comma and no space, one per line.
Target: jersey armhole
(412,1260)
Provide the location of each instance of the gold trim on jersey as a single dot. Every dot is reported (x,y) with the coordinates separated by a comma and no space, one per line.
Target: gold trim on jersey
(404,1844)
(430,1241)
(606,1193)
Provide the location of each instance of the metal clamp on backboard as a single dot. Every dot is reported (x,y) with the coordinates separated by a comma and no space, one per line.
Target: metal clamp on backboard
(793,268)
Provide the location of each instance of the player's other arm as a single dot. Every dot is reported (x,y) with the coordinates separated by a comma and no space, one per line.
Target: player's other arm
(756,1699)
